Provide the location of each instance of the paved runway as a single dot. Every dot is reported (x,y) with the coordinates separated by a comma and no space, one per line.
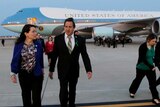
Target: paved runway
(113,72)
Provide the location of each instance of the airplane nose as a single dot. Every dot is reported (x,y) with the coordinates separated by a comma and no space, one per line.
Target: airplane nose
(9,24)
(10,20)
(4,21)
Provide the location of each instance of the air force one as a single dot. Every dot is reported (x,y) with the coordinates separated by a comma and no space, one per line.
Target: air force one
(88,23)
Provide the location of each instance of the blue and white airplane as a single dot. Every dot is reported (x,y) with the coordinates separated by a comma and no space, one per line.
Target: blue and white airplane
(88,23)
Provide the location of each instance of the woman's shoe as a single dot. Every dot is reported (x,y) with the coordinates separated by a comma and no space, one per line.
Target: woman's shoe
(156,101)
(132,95)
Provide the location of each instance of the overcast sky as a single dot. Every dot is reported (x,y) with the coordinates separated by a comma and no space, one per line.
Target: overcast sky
(10,7)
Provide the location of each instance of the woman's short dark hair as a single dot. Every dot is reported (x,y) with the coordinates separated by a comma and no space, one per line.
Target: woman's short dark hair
(70,20)
(50,37)
(150,37)
(25,29)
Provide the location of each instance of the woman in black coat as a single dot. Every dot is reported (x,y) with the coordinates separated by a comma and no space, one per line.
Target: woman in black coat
(145,67)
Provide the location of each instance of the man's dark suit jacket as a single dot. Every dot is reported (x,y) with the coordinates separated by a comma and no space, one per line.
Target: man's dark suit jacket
(157,55)
(68,64)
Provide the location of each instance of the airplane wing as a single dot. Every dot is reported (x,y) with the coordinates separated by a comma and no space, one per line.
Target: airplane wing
(147,21)
(129,27)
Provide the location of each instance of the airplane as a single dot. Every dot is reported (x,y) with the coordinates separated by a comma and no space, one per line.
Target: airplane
(88,23)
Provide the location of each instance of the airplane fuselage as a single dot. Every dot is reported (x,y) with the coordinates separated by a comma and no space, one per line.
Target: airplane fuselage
(51,20)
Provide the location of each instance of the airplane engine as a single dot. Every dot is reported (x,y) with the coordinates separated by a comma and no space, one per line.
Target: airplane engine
(156,27)
(105,31)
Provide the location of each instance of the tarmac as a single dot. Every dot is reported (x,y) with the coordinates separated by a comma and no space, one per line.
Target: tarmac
(113,72)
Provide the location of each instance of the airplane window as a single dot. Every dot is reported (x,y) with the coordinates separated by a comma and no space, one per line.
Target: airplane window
(21,11)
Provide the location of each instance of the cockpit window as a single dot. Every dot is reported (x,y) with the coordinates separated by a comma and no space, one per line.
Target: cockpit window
(20,11)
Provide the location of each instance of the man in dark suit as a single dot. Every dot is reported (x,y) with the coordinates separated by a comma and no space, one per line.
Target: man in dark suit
(67,49)
(157,59)
(41,41)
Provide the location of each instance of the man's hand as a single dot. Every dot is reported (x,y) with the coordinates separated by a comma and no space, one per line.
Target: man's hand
(154,69)
(89,75)
(14,78)
(50,75)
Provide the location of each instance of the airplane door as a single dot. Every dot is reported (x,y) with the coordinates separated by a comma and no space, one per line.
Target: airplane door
(32,20)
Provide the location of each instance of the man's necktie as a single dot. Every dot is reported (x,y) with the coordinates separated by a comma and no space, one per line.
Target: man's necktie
(69,44)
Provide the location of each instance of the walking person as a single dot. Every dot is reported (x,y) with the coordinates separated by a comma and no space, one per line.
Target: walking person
(67,48)
(122,40)
(3,42)
(49,48)
(145,67)
(27,62)
(41,40)
(114,42)
(157,59)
